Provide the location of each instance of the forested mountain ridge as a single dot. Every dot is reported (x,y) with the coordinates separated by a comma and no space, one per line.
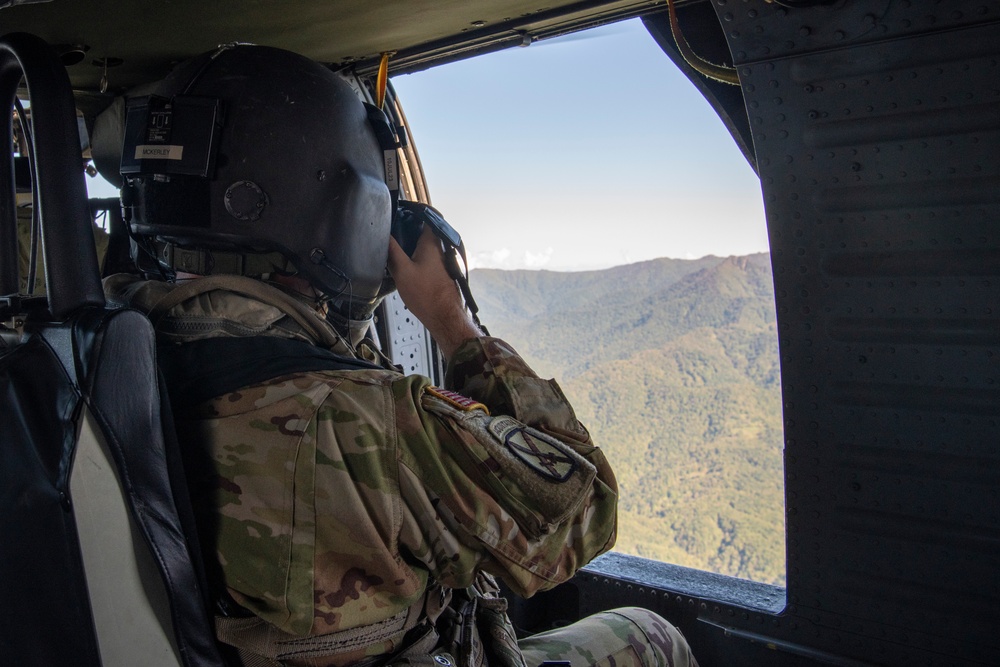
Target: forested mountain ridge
(673,366)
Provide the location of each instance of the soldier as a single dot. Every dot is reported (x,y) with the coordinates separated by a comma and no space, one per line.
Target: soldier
(356,515)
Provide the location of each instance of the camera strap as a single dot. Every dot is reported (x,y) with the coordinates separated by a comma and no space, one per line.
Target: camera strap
(452,253)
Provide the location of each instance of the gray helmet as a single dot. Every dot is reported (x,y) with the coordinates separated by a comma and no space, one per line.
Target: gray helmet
(253,157)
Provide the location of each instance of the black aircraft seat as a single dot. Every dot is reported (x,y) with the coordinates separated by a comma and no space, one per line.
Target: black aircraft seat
(98,558)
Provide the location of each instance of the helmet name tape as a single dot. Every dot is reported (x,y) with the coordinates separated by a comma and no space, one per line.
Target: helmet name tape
(148,152)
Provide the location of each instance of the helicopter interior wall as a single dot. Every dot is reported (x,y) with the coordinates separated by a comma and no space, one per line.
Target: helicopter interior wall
(882,186)
(876,128)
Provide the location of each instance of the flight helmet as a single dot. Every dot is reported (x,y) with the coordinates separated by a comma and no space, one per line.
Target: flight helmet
(252,160)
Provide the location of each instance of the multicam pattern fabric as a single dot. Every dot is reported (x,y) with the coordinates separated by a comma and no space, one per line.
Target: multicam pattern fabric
(341,492)
(629,637)
(333,499)
(335,496)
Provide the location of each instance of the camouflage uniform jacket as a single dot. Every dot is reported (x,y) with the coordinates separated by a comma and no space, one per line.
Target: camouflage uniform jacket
(341,494)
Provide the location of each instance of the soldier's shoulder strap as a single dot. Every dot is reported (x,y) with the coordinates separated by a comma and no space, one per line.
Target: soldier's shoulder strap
(307,318)
(204,369)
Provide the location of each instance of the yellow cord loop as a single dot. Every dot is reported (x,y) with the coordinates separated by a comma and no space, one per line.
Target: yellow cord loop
(382,80)
(712,71)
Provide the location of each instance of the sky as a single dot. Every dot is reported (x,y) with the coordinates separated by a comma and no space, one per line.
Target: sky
(577,153)
(581,152)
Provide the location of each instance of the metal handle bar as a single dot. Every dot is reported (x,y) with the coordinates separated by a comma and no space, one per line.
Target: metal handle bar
(71,272)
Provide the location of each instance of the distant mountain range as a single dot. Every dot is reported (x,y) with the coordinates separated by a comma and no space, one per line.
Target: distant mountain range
(673,366)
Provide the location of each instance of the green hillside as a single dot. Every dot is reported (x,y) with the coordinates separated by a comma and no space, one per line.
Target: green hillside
(673,366)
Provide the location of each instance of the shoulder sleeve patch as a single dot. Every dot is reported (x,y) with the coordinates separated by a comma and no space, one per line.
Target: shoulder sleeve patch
(459,402)
(539,480)
(545,456)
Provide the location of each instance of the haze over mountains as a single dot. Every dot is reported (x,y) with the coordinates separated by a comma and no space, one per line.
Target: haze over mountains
(673,366)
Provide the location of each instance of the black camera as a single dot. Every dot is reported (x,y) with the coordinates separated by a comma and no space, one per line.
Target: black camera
(408,225)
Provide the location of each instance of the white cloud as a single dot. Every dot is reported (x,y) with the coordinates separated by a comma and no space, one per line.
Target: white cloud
(503,258)
(496,259)
(537,260)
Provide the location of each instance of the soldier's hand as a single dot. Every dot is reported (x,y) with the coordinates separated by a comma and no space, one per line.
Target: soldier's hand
(430,293)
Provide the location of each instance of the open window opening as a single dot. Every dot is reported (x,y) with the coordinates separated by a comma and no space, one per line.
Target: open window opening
(621,248)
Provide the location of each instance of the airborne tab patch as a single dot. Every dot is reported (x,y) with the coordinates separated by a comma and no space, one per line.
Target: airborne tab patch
(463,403)
(544,455)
